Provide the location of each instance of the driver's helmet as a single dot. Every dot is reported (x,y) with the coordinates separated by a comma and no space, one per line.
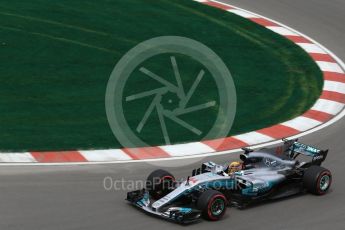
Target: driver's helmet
(235,166)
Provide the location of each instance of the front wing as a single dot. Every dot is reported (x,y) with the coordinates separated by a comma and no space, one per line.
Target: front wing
(184,215)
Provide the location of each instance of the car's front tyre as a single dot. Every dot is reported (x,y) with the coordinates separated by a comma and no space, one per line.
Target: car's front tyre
(159,183)
(212,204)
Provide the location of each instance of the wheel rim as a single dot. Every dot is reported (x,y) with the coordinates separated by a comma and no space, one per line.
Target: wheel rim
(324,182)
(217,207)
(167,183)
(164,187)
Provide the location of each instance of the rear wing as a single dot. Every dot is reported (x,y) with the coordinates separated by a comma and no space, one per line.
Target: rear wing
(293,149)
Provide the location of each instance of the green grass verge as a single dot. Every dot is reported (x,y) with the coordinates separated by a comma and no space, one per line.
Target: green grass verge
(57,56)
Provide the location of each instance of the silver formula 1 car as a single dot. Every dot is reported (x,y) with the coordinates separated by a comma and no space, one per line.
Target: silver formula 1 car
(266,174)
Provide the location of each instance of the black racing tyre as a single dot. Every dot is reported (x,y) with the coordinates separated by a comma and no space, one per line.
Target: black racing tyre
(212,205)
(317,180)
(159,183)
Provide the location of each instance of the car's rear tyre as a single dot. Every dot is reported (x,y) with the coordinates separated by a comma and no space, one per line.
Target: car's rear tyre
(317,180)
(212,205)
(159,183)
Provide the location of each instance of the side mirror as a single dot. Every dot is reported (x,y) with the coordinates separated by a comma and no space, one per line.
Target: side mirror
(243,157)
(247,150)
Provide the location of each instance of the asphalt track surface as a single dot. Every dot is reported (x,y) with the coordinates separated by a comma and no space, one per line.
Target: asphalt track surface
(73,197)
